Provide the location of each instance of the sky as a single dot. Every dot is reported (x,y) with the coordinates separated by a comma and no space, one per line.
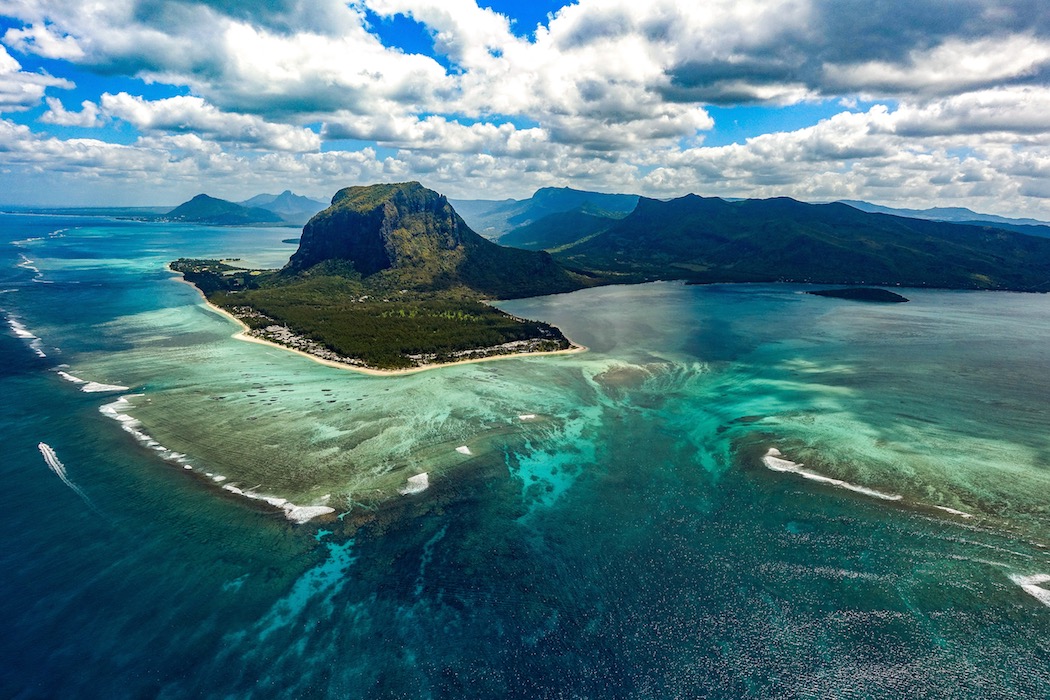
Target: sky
(912,103)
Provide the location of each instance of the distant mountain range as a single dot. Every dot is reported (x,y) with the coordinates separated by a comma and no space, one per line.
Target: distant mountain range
(405,236)
(492,218)
(555,231)
(293,208)
(707,239)
(961,215)
(284,208)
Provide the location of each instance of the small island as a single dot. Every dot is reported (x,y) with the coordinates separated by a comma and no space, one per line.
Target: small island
(869,294)
(390,278)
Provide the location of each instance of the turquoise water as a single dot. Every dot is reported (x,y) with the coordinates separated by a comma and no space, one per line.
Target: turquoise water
(596,525)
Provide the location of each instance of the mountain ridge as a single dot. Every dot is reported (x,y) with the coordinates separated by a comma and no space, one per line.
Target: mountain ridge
(782,239)
(961,215)
(494,218)
(390,277)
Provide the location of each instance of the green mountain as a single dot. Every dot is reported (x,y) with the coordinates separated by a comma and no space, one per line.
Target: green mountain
(495,218)
(203,209)
(555,231)
(389,276)
(406,236)
(293,208)
(710,239)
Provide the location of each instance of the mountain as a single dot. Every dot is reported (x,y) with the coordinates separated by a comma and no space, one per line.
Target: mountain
(405,235)
(495,218)
(710,239)
(203,209)
(291,207)
(389,276)
(557,230)
(960,215)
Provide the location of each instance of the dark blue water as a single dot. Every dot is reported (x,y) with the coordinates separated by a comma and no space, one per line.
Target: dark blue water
(633,545)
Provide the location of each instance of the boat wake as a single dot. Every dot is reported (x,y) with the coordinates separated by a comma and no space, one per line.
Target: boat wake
(59,469)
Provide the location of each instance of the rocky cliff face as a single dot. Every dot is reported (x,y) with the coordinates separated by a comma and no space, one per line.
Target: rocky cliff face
(413,234)
(380,227)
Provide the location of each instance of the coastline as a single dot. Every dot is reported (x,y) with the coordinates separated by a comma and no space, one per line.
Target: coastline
(243,335)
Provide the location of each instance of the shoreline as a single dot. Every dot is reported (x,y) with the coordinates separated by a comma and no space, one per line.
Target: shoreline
(242,335)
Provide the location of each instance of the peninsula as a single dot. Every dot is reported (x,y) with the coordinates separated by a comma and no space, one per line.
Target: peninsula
(390,278)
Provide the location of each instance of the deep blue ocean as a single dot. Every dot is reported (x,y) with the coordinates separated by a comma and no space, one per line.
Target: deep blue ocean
(601,525)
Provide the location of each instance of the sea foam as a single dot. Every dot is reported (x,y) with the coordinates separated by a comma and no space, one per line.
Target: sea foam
(297,514)
(20,331)
(416,484)
(90,387)
(953,511)
(117,410)
(95,387)
(1030,585)
(775,461)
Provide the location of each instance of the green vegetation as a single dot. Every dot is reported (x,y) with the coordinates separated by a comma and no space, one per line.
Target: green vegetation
(390,276)
(339,317)
(404,236)
(770,240)
(558,231)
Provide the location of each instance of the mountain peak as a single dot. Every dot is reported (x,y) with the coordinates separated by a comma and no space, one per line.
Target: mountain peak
(413,236)
(381,227)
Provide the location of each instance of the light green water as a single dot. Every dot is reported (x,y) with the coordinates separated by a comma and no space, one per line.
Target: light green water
(939,401)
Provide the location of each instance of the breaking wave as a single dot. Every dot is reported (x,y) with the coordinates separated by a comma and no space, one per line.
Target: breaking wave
(775,461)
(90,387)
(1031,586)
(20,331)
(117,410)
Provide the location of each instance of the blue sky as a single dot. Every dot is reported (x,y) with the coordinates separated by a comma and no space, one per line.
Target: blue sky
(124,102)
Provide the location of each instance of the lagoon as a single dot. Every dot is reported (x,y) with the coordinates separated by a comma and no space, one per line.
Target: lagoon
(610,529)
